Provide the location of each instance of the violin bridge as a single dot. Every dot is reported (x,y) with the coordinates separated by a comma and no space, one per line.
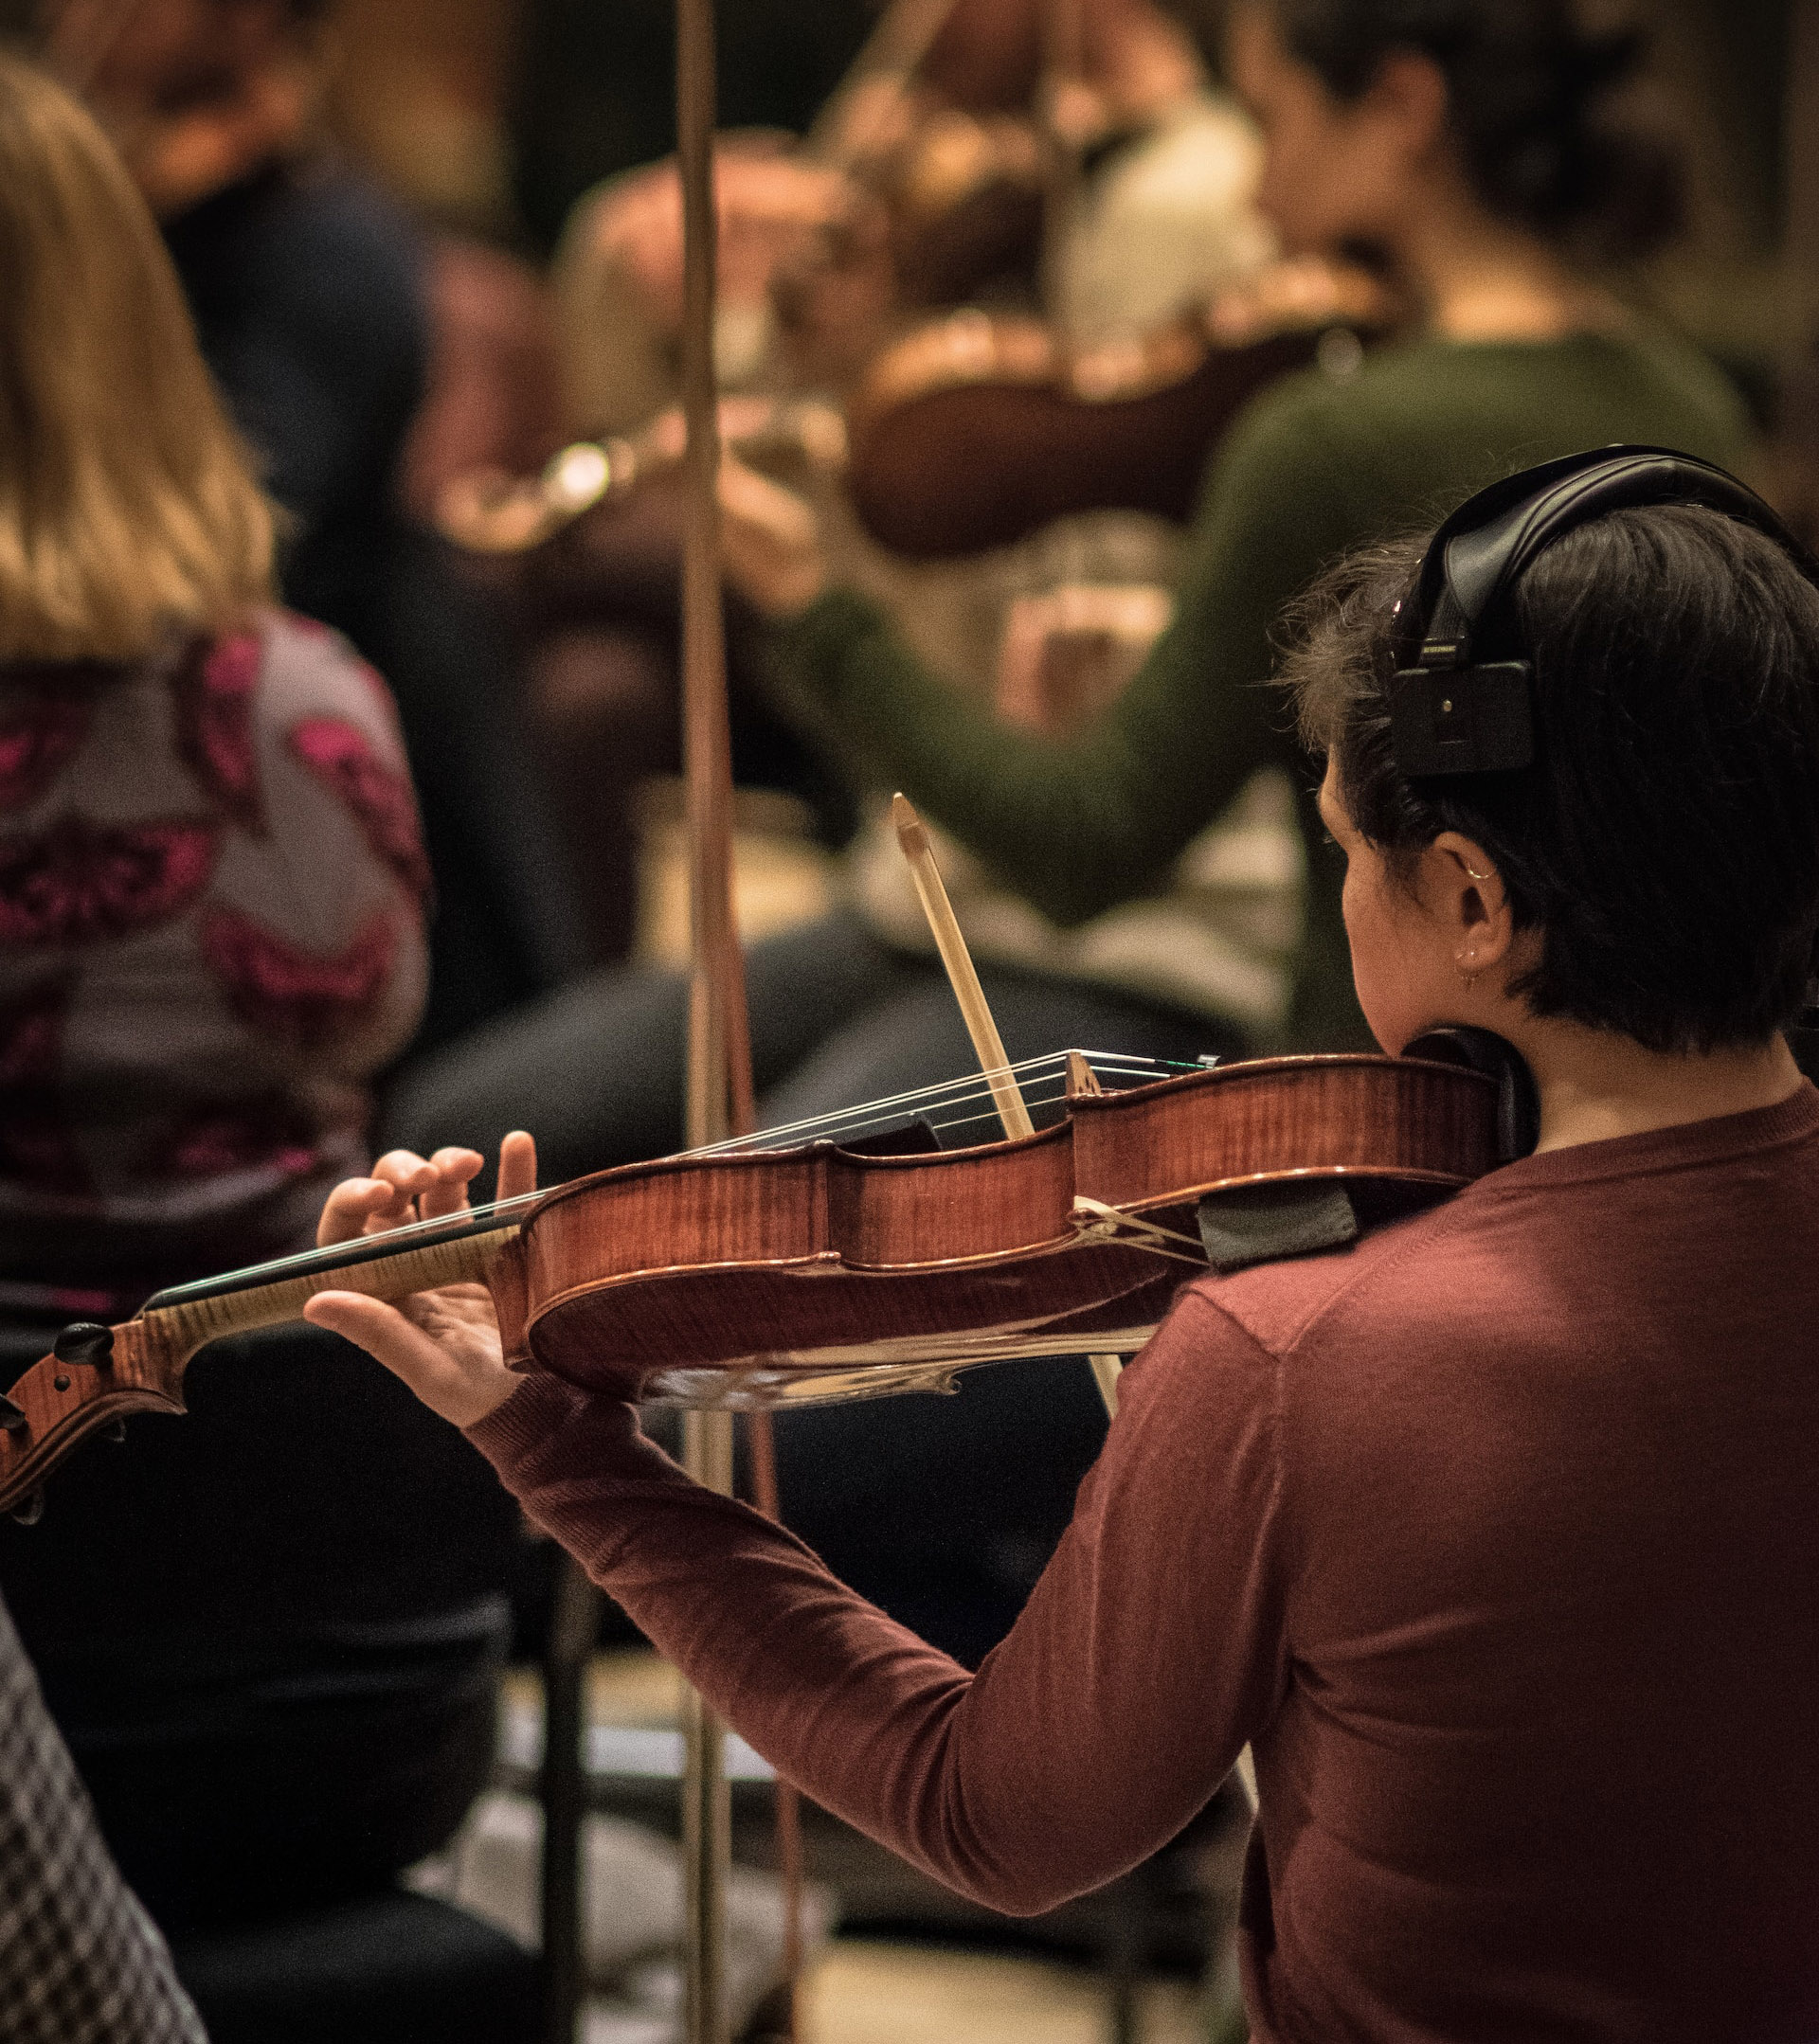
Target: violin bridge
(1082,1079)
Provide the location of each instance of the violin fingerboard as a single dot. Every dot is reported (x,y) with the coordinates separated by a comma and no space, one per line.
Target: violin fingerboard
(191,1323)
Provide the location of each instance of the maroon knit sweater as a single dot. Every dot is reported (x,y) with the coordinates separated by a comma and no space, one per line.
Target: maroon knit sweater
(1496,1535)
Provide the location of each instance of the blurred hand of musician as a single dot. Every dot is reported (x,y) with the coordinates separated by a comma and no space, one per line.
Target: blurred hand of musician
(443,1343)
(770,541)
(195,94)
(836,296)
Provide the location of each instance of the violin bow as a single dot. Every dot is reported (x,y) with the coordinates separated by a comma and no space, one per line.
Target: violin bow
(719,1047)
(891,55)
(912,836)
(1063,63)
(989,1046)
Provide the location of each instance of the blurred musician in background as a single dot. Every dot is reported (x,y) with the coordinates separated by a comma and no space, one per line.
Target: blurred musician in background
(924,183)
(305,282)
(273,1667)
(302,277)
(935,174)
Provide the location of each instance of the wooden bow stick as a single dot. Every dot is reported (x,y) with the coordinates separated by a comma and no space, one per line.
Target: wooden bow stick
(988,1044)
(719,1067)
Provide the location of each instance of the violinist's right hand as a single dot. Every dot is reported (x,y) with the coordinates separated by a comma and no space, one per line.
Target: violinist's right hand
(443,1343)
(770,542)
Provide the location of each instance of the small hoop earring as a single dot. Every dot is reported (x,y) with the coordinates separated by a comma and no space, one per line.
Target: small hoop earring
(1473,872)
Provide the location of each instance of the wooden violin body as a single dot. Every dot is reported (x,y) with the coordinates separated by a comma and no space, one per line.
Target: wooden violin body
(975,431)
(755,1277)
(817,1271)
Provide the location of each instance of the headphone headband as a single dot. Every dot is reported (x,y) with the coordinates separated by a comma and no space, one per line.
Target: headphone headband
(1453,713)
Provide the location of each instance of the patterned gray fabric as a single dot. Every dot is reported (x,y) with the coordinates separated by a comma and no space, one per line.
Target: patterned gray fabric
(212,935)
(80,1959)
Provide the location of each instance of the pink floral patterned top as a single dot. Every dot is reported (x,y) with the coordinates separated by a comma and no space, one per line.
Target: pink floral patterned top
(211,935)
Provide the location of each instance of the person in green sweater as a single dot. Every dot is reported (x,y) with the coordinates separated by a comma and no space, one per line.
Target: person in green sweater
(1467,145)
(1459,141)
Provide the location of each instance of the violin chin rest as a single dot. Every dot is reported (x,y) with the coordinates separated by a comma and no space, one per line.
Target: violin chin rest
(1518,1106)
(1266,1223)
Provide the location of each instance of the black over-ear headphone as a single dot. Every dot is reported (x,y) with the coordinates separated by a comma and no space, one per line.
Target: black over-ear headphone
(1462,696)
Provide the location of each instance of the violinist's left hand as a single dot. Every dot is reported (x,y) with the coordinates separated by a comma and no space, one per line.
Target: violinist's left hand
(770,542)
(445,1343)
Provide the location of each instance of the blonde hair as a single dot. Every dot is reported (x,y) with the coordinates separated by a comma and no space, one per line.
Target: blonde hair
(127,505)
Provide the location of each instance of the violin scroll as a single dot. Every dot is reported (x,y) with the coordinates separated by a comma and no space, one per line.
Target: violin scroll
(93,1377)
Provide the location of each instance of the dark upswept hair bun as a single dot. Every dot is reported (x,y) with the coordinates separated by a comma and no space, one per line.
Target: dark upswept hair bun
(1530,95)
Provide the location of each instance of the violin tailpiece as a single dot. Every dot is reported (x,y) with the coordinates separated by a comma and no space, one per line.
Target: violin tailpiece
(1098,1221)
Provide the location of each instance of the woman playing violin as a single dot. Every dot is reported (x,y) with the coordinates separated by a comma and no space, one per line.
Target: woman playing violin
(1467,145)
(1471,144)
(1494,1534)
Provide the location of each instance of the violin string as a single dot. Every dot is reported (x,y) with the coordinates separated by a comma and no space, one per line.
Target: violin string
(1041,1080)
(974,1085)
(867,1115)
(950,1092)
(1037,1091)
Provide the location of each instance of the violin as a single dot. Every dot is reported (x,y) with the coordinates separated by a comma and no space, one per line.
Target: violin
(977,429)
(954,116)
(490,510)
(853,1256)
(974,431)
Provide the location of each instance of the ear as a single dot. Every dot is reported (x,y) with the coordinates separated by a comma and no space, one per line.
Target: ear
(1459,883)
(1409,96)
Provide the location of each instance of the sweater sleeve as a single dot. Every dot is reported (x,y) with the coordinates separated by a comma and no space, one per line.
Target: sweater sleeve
(1078,825)
(1149,1652)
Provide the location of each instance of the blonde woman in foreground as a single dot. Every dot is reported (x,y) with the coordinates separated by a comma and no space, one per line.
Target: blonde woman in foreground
(211,936)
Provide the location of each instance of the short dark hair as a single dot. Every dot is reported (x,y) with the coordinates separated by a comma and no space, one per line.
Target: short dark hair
(1665,841)
(1530,104)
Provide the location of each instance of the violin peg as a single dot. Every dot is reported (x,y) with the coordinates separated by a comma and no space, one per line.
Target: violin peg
(85,1341)
(11,1416)
(29,1509)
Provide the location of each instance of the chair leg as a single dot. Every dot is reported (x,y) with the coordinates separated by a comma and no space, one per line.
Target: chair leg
(573,1630)
(1122,1957)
